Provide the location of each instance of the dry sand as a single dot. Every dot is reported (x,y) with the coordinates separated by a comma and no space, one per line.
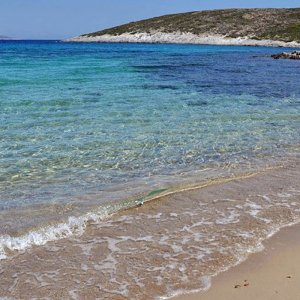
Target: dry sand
(273,274)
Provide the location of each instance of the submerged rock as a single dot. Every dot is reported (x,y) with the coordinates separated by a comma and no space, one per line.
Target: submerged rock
(287,55)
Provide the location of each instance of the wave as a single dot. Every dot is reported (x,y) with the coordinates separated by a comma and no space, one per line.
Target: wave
(73,225)
(76,225)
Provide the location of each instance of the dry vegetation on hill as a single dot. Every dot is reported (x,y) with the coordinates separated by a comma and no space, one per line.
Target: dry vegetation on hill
(273,24)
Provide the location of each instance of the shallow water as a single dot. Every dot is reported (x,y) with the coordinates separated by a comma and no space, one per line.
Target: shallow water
(169,246)
(87,130)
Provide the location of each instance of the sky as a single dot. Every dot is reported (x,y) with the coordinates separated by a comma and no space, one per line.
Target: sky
(58,19)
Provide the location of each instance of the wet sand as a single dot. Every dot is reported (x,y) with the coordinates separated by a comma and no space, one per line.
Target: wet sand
(271,274)
(164,247)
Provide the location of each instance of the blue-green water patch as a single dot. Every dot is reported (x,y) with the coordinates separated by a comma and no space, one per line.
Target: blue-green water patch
(80,119)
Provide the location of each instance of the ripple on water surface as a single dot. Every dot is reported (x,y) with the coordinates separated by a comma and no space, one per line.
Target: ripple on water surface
(87,130)
(79,120)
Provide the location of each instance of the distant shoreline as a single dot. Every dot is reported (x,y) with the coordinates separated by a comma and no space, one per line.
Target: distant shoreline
(180,38)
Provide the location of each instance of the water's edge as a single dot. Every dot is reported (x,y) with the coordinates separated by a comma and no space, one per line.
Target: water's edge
(259,248)
(76,225)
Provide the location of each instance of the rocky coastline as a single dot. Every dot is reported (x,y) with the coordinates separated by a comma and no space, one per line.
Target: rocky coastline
(287,55)
(158,37)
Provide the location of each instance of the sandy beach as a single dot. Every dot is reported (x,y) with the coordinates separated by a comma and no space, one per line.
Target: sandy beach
(167,245)
(273,273)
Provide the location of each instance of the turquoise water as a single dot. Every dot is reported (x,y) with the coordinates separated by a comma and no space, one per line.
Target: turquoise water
(80,119)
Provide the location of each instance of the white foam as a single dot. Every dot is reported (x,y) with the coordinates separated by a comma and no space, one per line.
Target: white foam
(176,248)
(205,282)
(39,237)
(73,295)
(254,208)
(232,218)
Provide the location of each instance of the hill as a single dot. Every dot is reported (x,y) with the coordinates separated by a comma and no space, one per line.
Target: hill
(3,37)
(232,25)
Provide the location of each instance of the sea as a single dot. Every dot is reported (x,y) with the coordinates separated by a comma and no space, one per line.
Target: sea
(141,171)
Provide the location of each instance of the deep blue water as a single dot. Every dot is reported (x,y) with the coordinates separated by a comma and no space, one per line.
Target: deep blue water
(81,118)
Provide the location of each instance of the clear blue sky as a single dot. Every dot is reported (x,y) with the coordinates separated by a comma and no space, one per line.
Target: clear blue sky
(56,19)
